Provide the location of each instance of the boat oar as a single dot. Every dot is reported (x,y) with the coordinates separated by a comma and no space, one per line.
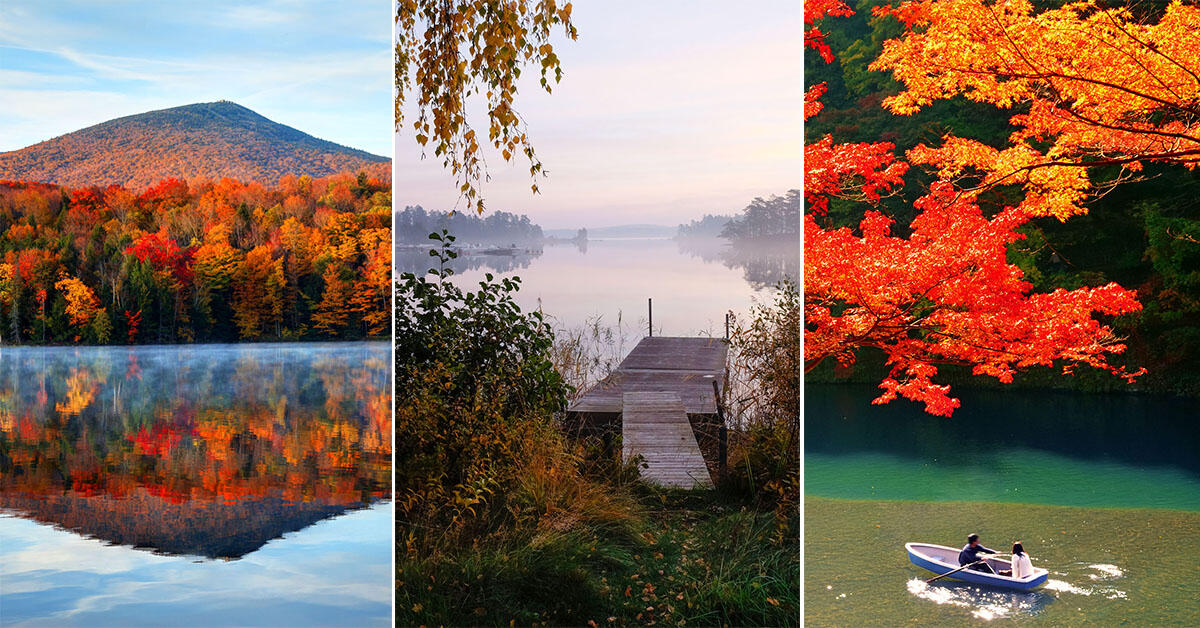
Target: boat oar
(956,570)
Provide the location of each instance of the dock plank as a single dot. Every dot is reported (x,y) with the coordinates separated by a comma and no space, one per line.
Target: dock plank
(686,366)
(654,393)
(655,426)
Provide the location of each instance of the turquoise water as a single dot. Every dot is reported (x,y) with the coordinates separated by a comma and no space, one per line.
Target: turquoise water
(1015,475)
(1104,491)
(1121,451)
(1108,566)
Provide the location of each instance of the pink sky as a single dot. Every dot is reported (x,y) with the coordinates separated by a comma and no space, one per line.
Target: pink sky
(667,111)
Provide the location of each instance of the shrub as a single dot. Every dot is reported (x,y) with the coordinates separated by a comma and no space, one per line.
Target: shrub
(473,380)
(764,395)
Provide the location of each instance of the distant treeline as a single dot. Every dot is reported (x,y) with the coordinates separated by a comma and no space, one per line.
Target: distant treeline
(710,226)
(770,218)
(207,261)
(414,224)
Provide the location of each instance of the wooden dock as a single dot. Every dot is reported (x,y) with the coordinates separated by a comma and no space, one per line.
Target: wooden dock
(652,395)
(655,426)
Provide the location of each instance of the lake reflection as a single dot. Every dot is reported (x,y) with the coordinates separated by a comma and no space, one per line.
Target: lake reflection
(335,573)
(199,451)
(610,280)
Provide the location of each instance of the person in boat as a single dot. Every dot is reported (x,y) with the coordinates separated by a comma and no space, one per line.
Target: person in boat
(970,554)
(1021,565)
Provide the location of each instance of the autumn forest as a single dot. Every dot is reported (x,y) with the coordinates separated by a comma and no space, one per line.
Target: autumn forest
(1019,179)
(201,261)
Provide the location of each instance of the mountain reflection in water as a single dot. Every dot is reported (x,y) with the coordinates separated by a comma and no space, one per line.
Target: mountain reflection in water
(200,450)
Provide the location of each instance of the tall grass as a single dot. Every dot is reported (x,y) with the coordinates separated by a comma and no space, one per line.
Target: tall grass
(588,353)
(507,520)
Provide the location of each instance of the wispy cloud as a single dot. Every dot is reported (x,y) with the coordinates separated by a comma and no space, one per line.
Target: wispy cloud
(338,568)
(291,60)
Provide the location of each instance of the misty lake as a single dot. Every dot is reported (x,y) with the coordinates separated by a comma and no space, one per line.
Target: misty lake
(692,283)
(242,485)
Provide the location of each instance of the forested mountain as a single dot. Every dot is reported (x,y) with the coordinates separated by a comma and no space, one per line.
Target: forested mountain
(414,224)
(211,261)
(1143,234)
(204,140)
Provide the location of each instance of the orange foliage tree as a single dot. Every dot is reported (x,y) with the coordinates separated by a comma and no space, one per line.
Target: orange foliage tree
(195,261)
(82,304)
(1091,86)
(447,52)
(333,312)
(258,295)
(942,294)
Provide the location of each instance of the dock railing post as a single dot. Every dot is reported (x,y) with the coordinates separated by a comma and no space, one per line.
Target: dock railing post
(650,309)
(722,434)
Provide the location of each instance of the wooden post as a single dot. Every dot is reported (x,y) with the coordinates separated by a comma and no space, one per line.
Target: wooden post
(650,308)
(722,434)
(726,325)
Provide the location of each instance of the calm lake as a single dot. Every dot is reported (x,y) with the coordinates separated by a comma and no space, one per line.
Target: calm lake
(1103,490)
(692,284)
(242,485)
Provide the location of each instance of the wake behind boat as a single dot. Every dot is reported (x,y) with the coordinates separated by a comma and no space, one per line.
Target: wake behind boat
(942,560)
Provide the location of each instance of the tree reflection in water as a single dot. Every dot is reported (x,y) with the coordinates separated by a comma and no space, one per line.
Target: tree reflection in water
(205,450)
(764,262)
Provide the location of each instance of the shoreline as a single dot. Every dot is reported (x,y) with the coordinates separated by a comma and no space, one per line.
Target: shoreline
(963,503)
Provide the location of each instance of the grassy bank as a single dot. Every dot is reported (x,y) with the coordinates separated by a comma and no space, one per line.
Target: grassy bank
(673,558)
(507,515)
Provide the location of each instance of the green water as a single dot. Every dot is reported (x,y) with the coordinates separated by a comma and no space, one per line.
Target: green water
(1104,491)
(1108,566)
(1011,475)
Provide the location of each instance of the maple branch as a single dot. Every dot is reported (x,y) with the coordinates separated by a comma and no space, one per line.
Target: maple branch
(1140,131)
(1088,164)
(1045,75)
(1152,48)
(1182,236)
(1133,57)
(1120,88)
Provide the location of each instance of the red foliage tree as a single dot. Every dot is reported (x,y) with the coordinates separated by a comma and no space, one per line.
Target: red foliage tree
(943,295)
(163,254)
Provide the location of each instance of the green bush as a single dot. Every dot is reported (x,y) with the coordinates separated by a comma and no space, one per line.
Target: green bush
(472,370)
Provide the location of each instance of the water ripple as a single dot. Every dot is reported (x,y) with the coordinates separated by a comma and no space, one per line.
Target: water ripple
(984,603)
(1107,574)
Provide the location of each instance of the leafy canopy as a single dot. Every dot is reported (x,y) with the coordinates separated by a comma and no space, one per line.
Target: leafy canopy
(1091,86)
(449,51)
(945,294)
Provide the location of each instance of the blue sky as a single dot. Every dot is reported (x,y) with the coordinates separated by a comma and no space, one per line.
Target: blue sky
(668,110)
(322,67)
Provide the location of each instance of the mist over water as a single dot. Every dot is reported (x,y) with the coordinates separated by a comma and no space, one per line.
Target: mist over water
(693,284)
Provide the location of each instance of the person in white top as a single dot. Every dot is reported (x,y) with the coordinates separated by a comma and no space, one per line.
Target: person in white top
(1021,566)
